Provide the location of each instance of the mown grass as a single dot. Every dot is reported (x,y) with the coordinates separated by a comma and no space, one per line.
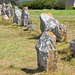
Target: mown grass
(17,46)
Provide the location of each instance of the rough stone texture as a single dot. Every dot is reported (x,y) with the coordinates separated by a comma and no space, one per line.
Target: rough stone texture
(5,17)
(72,47)
(17,16)
(48,23)
(46,52)
(25,16)
(30,26)
(9,10)
(26,20)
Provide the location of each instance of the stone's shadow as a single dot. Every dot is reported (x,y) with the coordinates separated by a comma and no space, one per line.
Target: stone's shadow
(25,29)
(37,37)
(31,71)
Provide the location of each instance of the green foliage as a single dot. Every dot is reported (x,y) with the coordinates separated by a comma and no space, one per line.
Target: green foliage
(37,4)
(48,5)
(59,4)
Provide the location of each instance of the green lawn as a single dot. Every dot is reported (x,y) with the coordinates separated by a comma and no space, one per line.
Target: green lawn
(17,46)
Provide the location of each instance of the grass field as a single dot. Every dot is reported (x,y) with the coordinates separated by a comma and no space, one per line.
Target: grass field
(17,46)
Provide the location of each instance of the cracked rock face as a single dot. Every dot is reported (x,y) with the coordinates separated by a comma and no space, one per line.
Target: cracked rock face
(48,23)
(72,47)
(17,15)
(46,52)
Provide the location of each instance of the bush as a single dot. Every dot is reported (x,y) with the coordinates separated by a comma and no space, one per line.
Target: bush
(48,5)
(37,4)
(59,4)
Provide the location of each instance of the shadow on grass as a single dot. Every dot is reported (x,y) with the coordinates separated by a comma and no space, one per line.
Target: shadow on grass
(37,37)
(31,71)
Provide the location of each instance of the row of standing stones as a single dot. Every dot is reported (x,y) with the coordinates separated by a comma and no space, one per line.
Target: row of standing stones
(22,18)
(51,32)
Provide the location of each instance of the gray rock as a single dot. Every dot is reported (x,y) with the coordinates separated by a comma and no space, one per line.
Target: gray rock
(17,16)
(26,20)
(30,26)
(46,52)
(48,23)
(9,10)
(72,47)
(24,16)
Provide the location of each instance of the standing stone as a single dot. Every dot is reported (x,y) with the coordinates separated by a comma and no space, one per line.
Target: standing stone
(48,23)
(46,52)
(72,47)
(9,10)
(17,15)
(30,26)
(24,16)
(26,20)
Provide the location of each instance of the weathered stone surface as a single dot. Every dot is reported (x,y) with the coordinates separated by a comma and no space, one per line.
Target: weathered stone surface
(30,26)
(24,16)
(9,10)
(46,52)
(5,17)
(17,16)
(26,20)
(48,23)
(72,47)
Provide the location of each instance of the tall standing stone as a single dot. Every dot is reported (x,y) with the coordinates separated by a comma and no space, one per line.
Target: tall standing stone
(17,15)
(26,20)
(9,10)
(25,15)
(48,23)
(46,52)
